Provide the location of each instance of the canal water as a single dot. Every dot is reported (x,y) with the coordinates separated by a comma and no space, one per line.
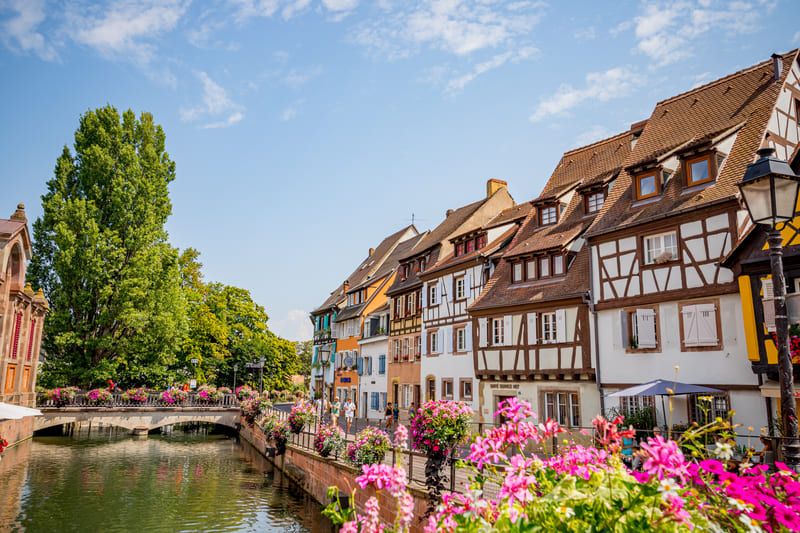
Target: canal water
(179,482)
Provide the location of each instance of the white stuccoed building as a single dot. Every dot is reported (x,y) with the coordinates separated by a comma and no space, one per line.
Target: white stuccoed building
(374,347)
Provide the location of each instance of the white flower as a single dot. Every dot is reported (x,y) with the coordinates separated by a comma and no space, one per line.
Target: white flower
(567,511)
(667,488)
(723,451)
(748,523)
(738,504)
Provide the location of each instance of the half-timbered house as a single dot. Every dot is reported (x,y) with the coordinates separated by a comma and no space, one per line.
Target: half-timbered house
(407,338)
(449,288)
(665,306)
(531,328)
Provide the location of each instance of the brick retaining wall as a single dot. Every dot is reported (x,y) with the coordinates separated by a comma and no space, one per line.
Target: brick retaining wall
(315,474)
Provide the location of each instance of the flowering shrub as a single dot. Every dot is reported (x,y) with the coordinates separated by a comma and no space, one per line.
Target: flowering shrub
(174,396)
(253,408)
(61,396)
(329,439)
(280,435)
(135,395)
(590,489)
(794,346)
(3,444)
(224,390)
(302,413)
(369,447)
(440,425)
(245,392)
(99,396)
(209,394)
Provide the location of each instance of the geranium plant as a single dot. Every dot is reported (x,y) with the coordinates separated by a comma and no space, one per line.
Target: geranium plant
(174,396)
(209,394)
(138,395)
(61,396)
(369,447)
(302,413)
(254,408)
(99,396)
(224,390)
(280,436)
(245,392)
(329,440)
(3,444)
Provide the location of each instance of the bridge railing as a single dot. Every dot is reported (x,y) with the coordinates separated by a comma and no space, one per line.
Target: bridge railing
(153,399)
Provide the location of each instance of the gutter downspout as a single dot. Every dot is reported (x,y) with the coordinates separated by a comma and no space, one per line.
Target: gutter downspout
(590,303)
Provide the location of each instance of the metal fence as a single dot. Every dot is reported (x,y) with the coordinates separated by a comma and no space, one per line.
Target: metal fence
(152,399)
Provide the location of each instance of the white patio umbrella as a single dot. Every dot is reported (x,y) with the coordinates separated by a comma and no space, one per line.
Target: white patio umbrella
(15,412)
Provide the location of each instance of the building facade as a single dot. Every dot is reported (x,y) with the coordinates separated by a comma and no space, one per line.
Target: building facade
(22,314)
(372,365)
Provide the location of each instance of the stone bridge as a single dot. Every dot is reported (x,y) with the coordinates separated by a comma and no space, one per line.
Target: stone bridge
(138,420)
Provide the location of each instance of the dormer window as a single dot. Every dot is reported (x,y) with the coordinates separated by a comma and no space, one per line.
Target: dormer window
(470,245)
(516,272)
(648,184)
(459,249)
(548,215)
(699,170)
(594,200)
(404,270)
(538,267)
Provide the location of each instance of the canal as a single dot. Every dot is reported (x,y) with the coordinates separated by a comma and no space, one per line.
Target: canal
(179,482)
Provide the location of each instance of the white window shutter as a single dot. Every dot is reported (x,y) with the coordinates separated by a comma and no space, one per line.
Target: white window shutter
(626,335)
(767,306)
(690,332)
(468,283)
(646,326)
(532,329)
(707,334)
(561,325)
(423,343)
(482,332)
(447,339)
(508,331)
(468,337)
(424,296)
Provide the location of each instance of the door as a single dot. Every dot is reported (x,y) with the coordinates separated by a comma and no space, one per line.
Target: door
(417,395)
(11,378)
(395,393)
(363,407)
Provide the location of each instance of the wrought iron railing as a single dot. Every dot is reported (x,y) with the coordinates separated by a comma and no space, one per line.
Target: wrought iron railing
(152,400)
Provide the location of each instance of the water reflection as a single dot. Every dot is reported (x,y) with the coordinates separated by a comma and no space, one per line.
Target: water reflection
(169,483)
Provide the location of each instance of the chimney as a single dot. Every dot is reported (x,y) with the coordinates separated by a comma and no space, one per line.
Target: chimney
(448,213)
(371,251)
(19,214)
(777,66)
(346,285)
(493,185)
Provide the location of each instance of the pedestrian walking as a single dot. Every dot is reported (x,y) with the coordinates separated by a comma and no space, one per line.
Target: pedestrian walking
(388,417)
(396,413)
(349,413)
(336,408)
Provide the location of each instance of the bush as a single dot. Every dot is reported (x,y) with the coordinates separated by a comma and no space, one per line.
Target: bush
(302,413)
(135,395)
(61,396)
(99,396)
(369,447)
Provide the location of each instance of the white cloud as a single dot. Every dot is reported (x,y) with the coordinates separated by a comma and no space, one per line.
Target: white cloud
(340,9)
(600,87)
(295,325)
(294,7)
(217,106)
(665,31)
(288,114)
(300,76)
(594,133)
(126,28)
(457,84)
(585,34)
(246,9)
(21,31)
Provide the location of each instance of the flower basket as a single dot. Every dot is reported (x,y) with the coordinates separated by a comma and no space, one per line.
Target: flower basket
(209,394)
(439,426)
(174,396)
(245,392)
(329,439)
(138,396)
(301,414)
(369,447)
(224,390)
(99,397)
(61,396)
(280,436)
(253,408)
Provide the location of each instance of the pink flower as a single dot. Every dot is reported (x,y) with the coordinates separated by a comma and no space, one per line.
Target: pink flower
(372,521)
(664,459)
(401,436)
(349,527)
(391,478)
(406,510)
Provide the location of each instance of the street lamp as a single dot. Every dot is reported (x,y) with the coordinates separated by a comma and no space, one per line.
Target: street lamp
(235,368)
(770,190)
(194,361)
(324,359)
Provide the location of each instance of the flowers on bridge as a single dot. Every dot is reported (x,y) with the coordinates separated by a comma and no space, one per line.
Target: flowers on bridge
(224,390)
(209,394)
(245,392)
(329,439)
(174,396)
(279,434)
(440,425)
(61,396)
(253,408)
(99,396)
(302,413)
(138,395)
(369,447)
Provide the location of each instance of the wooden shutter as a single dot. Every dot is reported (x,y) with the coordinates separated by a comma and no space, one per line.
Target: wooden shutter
(689,318)
(468,337)
(424,296)
(707,334)
(561,325)
(446,338)
(646,328)
(532,339)
(468,284)
(626,334)
(508,331)
(15,338)
(482,322)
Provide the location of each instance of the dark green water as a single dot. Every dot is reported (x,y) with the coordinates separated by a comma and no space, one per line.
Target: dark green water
(160,483)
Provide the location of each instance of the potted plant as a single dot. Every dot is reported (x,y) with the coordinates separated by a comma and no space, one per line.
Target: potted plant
(174,396)
(99,397)
(369,447)
(209,394)
(61,396)
(329,439)
(138,395)
(253,408)
(280,436)
(302,413)
(245,392)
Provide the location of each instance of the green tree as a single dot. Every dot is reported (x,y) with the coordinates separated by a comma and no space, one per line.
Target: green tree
(304,353)
(101,254)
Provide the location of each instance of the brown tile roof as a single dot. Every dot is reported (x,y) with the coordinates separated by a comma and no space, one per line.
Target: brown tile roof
(367,267)
(10,227)
(741,100)
(391,262)
(512,214)
(487,251)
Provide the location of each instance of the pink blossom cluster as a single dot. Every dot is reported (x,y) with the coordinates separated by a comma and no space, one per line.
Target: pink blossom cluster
(393,480)
(302,413)
(439,425)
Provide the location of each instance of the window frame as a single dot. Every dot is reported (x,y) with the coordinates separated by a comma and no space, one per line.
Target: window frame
(701,347)
(445,383)
(710,161)
(549,335)
(461,394)
(654,263)
(528,262)
(573,409)
(637,180)
(544,260)
(433,342)
(546,209)
(693,410)
(500,330)
(514,266)
(563,269)
(433,294)
(463,331)
(587,197)
(459,249)
(630,312)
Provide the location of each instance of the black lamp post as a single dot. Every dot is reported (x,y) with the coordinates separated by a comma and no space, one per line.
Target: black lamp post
(324,359)
(770,190)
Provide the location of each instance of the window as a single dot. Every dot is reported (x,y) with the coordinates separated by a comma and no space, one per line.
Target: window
(480,241)
(516,272)
(404,271)
(470,246)
(422,264)
(660,248)
(418,298)
(433,295)
(461,340)
(530,269)
(447,389)
(643,327)
(384,399)
(374,401)
(405,397)
(398,307)
(459,249)
(498,331)
(563,407)
(396,351)
(431,389)
(433,342)
(406,348)
(630,405)
(381,364)
(558,265)
(411,304)
(548,215)
(703,408)
(461,293)
(698,170)
(549,328)
(647,185)
(699,325)
(594,201)
(466,389)
(544,267)
(417,346)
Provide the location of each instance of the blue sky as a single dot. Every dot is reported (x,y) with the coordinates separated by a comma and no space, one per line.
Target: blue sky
(304,131)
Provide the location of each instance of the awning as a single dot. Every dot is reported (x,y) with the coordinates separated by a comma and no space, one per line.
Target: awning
(661,387)
(15,412)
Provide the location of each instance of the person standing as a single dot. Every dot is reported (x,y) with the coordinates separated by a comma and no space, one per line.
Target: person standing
(349,413)
(412,410)
(336,408)
(396,413)
(388,415)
